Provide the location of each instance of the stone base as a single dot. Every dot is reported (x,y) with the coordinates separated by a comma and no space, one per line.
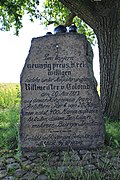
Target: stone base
(55,165)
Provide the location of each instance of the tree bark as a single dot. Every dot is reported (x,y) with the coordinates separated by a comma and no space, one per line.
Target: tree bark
(108,35)
(104,18)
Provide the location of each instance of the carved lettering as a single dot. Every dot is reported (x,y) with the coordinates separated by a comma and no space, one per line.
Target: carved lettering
(59,106)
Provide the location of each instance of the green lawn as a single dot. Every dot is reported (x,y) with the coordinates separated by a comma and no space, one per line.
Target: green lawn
(9,115)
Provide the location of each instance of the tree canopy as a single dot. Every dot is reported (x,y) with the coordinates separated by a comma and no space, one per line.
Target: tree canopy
(12,11)
(54,12)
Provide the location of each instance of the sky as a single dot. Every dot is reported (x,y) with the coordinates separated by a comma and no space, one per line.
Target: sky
(14,50)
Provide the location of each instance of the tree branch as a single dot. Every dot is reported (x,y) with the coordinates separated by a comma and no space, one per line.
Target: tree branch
(70,19)
(83,9)
(48,21)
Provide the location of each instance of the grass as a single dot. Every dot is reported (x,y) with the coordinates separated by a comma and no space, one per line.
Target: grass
(9,95)
(112,135)
(9,120)
(9,115)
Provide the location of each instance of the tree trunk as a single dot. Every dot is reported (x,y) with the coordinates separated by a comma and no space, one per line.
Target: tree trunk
(108,35)
(104,19)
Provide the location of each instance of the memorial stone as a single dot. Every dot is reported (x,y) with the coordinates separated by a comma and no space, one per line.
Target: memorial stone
(60,106)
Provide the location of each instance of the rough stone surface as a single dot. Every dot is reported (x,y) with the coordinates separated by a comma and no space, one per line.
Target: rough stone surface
(10,160)
(13,166)
(3,173)
(69,163)
(1,162)
(60,106)
(19,173)
(29,175)
(9,178)
(42,177)
(26,163)
(90,167)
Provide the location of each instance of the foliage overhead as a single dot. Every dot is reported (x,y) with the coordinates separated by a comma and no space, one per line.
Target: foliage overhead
(55,12)
(12,11)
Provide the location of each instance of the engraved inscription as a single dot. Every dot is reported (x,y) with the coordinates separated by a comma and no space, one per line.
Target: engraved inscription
(60,106)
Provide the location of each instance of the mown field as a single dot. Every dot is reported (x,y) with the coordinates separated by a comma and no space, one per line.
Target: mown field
(10,120)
